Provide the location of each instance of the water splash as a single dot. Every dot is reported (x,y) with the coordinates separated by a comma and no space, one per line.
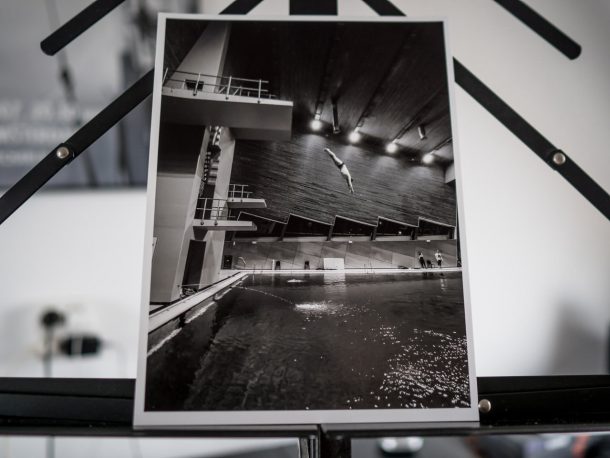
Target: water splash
(314,306)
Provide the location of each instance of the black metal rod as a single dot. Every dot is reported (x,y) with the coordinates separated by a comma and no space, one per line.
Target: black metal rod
(384,8)
(77,25)
(501,111)
(306,7)
(578,178)
(241,7)
(542,27)
(76,144)
(533,139)
(112,114)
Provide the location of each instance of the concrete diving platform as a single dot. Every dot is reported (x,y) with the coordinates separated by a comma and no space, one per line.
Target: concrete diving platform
(224,225)
(234,202)
(249,118)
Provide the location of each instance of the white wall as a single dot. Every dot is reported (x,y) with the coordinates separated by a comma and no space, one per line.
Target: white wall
(81,252)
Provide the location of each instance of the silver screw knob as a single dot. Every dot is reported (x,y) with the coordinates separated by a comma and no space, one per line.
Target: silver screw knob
(484,405)
(62,152)
(559,158)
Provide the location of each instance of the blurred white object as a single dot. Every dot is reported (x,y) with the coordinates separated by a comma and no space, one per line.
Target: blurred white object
(401,445)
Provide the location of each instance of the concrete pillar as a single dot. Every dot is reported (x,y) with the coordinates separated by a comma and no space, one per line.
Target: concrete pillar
(180,168)
(212,261)
(450,173)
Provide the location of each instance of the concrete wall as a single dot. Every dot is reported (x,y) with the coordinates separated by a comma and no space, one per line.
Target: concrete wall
(356,255)
(212,260)
(450,173)
(207,54)
(178,179)
(296,176)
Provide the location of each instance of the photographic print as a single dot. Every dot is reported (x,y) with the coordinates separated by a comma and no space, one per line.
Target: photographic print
(303,260)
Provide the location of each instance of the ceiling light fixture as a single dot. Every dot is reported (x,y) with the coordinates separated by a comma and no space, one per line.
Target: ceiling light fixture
(428,158)
(391,147)
(355,135)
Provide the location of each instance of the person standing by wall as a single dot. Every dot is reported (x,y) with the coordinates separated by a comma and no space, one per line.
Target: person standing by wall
(422,261)
(439,259)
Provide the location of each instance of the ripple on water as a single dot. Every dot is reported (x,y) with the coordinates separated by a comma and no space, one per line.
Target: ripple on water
(433,378)
(330,346)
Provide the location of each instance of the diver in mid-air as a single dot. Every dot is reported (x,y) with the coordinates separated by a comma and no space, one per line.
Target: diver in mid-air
(342,168)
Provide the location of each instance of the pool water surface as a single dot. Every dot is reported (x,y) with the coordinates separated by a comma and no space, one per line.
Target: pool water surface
(319,341)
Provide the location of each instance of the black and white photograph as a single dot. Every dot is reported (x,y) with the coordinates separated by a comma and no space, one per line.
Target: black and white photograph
(303,260)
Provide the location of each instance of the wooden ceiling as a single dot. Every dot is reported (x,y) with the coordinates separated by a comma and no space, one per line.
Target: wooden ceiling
(392,74)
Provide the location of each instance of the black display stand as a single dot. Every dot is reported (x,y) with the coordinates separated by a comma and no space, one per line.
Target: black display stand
(104,407)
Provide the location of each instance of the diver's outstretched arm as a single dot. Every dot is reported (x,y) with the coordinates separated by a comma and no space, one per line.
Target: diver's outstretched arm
(334,157)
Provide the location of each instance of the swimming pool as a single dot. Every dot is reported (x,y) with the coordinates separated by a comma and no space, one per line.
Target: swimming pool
(320,340)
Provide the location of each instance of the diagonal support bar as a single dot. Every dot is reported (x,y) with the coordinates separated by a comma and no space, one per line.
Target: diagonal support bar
(77,25)
(306,7)
(542,27)
(533,139)
(241,7)
(384,8)
(75,145)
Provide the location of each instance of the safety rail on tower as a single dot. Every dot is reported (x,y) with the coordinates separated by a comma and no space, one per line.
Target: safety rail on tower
(215,210)
(238,191)
(229,86)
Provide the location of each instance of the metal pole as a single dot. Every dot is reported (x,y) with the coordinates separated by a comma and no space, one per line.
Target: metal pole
(196,84)
(260,83)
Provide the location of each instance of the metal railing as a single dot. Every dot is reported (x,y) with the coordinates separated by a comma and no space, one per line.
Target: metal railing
(215,210)
(230,86)
(238,191)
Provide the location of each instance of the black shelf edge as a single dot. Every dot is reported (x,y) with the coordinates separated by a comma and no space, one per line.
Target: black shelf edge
(104,407)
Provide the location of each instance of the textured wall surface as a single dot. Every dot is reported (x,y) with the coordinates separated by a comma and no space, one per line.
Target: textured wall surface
(178,178)
(298,177)
(356,255)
